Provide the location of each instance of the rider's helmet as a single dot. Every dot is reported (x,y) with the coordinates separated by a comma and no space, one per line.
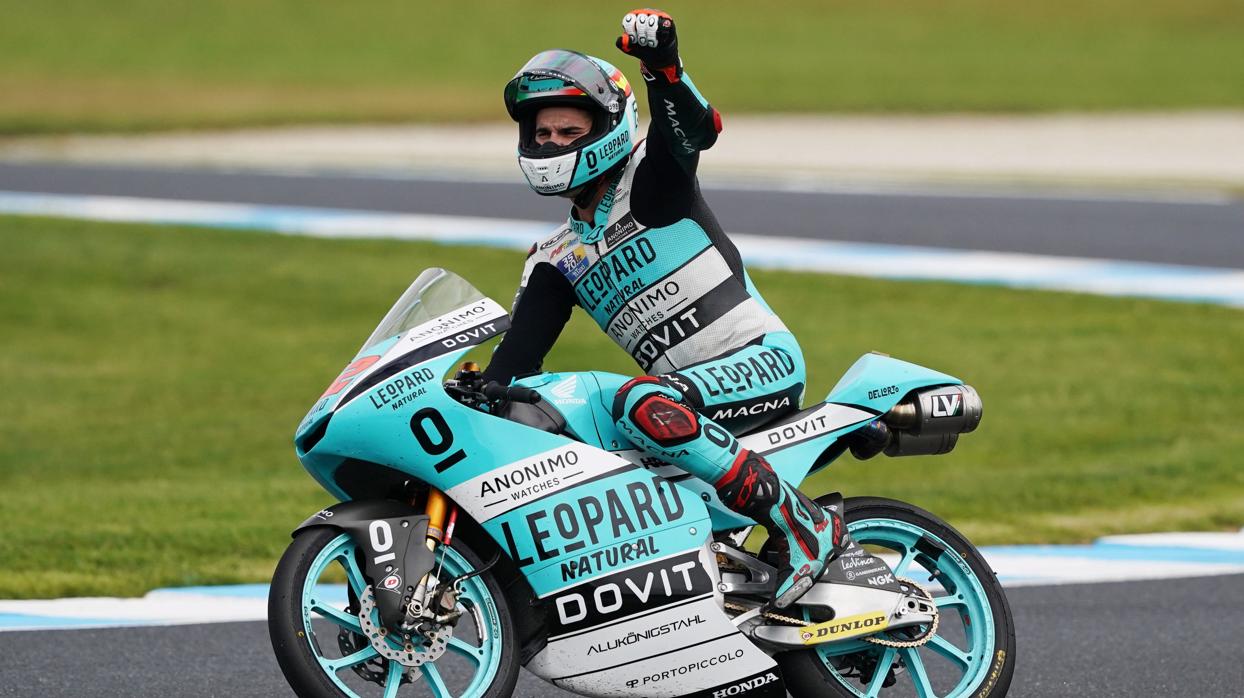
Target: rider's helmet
(567,78)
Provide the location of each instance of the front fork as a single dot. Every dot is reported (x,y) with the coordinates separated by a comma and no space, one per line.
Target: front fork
(442,516)
(436,509)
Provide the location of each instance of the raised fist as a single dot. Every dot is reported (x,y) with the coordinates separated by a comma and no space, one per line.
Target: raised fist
(649,36)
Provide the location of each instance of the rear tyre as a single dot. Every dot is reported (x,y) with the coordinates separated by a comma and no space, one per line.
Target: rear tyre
(973,651)
(317,636)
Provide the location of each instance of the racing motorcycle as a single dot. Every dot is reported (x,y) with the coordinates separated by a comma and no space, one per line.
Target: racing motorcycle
(482,528)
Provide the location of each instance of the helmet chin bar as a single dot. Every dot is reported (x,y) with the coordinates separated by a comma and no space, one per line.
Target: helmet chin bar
(580,196)
(550,150)
(549,175)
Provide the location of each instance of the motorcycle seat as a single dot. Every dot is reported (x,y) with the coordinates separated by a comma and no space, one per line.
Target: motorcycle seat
(782,418)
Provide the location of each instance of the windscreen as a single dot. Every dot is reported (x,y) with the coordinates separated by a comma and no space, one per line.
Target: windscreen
(433,294)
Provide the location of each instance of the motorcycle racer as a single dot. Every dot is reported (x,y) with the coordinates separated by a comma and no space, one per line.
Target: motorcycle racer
(644,256)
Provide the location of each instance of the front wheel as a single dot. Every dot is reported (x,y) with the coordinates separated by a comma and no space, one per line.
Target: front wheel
(318,636)
(972,653)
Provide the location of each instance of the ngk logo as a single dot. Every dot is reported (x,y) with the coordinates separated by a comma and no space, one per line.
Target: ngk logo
(947,405)
(746,686)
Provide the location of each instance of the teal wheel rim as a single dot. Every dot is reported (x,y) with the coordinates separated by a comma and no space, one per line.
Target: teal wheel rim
(323,617)
(957,660)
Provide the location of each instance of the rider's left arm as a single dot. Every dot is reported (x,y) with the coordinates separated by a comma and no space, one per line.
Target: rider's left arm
(541,309)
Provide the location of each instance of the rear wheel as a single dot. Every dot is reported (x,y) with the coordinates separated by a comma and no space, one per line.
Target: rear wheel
(313,620)
(973,650)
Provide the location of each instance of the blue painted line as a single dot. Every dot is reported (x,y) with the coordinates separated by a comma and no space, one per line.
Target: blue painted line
(23,620)
(1102,277)
(248,591)
(1114,551)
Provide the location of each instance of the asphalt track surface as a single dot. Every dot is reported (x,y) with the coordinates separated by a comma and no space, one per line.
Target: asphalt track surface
(1196,230)
(1162,638)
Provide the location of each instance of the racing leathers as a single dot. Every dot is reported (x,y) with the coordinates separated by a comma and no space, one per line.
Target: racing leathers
(655,271)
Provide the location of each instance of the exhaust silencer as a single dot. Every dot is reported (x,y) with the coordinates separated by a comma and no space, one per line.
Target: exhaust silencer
(929,422)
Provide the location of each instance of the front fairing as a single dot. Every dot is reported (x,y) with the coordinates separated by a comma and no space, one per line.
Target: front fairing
(369,428)
(551,503)
(389,409)
(396,375)
(440,312)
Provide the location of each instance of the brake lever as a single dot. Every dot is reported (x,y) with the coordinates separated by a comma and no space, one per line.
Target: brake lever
(467,395)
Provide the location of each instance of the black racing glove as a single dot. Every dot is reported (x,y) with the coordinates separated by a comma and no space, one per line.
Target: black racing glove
(649,36)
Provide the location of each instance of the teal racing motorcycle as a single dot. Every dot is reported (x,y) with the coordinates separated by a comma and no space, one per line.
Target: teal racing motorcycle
(482,528)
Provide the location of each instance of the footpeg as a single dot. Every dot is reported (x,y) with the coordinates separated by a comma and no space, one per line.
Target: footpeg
(755,577)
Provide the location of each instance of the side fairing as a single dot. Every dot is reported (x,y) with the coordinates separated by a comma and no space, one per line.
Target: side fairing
(574,512)
(653,629)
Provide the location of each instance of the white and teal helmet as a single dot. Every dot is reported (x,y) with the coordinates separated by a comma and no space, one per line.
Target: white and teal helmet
(567,78)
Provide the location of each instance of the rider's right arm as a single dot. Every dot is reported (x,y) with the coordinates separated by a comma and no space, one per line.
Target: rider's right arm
(682,121)
(541,309)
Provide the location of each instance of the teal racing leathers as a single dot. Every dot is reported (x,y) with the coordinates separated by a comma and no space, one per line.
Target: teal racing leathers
(658,275)
(655,271)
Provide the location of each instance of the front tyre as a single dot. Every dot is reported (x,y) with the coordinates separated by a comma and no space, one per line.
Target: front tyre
(318,638)
(973,652)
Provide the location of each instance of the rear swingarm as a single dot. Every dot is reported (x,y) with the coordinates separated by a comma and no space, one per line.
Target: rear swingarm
(852,610)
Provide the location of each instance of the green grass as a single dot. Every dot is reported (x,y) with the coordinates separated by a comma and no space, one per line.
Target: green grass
(141,64)
(152,378)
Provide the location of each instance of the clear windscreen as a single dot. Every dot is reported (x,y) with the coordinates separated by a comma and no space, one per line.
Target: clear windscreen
(434,293)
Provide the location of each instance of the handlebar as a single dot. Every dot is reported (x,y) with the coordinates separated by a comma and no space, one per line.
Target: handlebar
(514,393)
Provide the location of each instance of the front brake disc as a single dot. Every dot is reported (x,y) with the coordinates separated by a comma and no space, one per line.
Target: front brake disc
(408,650)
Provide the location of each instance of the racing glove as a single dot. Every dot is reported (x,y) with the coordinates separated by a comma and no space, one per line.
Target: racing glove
(649,35)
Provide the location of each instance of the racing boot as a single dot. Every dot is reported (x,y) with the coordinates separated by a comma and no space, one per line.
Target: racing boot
(815,536)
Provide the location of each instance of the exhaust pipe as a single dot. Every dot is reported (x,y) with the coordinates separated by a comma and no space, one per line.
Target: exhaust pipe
(929,422)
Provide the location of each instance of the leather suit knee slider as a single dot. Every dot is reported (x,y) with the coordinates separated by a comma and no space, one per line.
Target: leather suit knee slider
(657,411)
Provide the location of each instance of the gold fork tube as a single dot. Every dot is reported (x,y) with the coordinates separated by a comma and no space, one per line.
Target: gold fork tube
(436,509)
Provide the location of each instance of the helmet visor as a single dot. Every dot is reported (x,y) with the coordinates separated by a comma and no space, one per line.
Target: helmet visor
(562,74)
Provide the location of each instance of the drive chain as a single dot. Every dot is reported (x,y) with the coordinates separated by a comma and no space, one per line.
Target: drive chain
(928,634)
